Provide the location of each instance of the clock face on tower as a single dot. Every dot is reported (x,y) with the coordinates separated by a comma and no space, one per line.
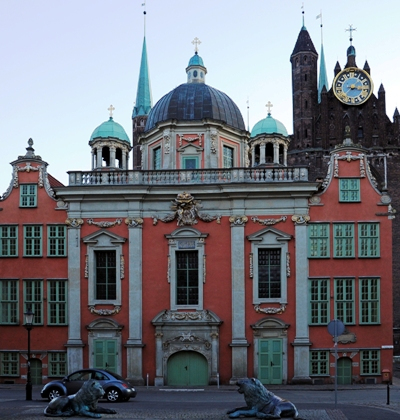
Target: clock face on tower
(353,86)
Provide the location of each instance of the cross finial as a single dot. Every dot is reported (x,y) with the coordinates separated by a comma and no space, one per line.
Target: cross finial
(196,42)
(351,30)
(269,106)
(111,109)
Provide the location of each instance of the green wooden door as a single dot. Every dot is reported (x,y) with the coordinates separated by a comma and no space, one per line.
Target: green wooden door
(105,354)
(187,368)
(270,361)
(36,371)
(344,371)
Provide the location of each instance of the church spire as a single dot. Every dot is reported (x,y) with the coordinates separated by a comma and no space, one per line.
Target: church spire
(323,78)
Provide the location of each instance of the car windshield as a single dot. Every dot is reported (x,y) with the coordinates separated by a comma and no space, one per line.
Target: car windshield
(116,376)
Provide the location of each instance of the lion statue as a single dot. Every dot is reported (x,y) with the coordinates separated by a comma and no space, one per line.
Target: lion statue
(262,403)
(83,403)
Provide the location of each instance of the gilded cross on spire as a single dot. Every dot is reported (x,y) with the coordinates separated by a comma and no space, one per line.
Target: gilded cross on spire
(269,106)
(111,109)
(196,42)
(351,30)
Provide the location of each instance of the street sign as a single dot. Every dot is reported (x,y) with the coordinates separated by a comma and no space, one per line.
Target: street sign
(336,327)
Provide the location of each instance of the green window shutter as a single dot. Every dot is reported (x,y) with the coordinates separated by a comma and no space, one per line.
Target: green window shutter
(57,302)
(319,363)
(318,240)
(349,190)
(370,362)
(56,241)
(343,240)
(319,310)
(28,195)
(33,241)
(187,277)
(344,301)
(9,302)
(33,297)
(57,363)
(368,240)
(8,241)
(369,301)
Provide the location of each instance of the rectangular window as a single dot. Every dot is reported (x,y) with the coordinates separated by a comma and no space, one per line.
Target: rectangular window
(157,158)
(34,299)
(187,277)
(57,302)
(8,302)
(57,363)
(319,301)
(228,157)
(369,301)
(344,300)
(33,241)
(106,275)
(269,273)
(190,162)
(368,240)
(8,241)
(28,195)
(56,241)
(349,190)
(9,364)
(370,362)
(318,240)
(319,363)
(343,240)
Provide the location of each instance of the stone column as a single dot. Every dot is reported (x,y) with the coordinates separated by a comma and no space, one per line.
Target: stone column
(93,160)
(301,342)
(276,153)
(262,153)
(134,343)
(74,344)
(285,155)
(123,163)
(99,157)
(112,156)
(239,343)
(253,156)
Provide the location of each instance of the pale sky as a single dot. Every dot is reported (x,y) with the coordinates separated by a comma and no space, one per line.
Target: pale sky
(64,62)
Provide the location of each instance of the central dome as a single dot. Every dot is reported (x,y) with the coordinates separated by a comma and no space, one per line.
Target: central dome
(195,102)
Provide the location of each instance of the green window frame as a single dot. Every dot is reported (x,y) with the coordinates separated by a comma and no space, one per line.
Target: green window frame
(9,302)
(33,298)
(318,240)
(57,364)
(157,158)
(343,239)
(28,195)
(57,302)
(228,156)
(9,365)
(190,162)
(187,277)
(8,241)
(56,241)
(319,363)
(319,312)
(349,190)
(370,362)
(106,275)
(368,240)
(269,273)
(369,289)
(344,300)
(33,240)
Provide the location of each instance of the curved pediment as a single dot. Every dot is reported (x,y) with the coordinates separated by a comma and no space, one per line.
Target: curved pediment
(205,317)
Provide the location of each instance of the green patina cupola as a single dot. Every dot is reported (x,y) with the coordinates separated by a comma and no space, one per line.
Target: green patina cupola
(196,71)
(269,142)
(110,145)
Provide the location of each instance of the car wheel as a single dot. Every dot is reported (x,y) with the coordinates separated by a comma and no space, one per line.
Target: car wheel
(54,393)
(113,395)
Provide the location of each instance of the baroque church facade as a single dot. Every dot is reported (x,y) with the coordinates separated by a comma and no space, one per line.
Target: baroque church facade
(213,259)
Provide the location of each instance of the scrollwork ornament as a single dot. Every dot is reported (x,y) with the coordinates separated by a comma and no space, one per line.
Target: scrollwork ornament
(238,220)
(251,265)
(270,311)
(287,264)
(167,139)
(104,224)
(300,219)
(134,222)
(122,267)
(105,312)
(268,222)
(74,223)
